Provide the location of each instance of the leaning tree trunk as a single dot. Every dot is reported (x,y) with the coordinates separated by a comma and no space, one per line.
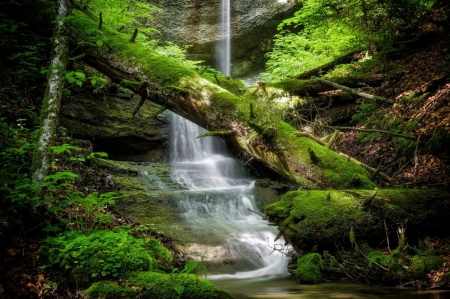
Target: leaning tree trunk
(42,158)
(184,92)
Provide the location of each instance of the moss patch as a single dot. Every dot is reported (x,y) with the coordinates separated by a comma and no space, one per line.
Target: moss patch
(150,285)
(309,268)
(331,170)
(322,218)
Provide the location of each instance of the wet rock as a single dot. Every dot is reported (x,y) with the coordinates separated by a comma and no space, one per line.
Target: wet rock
(197,22)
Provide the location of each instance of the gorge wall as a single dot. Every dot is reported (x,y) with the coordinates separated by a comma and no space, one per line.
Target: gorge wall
(197,23)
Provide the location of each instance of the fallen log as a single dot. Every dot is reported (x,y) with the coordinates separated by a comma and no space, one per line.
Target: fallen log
(184,92)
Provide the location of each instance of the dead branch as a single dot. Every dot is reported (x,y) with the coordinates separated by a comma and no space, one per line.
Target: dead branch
(372,131)
(385,269)
(387,235)
(215,133)
(264,217)
(355,92)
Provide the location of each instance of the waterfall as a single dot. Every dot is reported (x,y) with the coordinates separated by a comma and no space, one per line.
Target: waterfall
(217,208)
(224,45)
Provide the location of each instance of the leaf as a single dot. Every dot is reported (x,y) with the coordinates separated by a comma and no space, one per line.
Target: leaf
(99,43)
(179,289)
(93,81)
(190,266)
(79,83)
(80,75)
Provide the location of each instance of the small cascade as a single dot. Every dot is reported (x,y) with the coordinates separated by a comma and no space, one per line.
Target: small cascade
(216,209)
(224,45)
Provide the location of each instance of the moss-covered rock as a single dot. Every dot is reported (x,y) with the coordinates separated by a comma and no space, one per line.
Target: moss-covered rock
(324,218)
(309,268)
(150,285)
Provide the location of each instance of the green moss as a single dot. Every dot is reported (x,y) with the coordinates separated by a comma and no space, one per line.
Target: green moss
(309,268)
(150,285)
(309,218)
(332,170)
(159,251)
(108,289)
(417,267)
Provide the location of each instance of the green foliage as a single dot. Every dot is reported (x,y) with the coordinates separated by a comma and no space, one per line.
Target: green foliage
(75,77)
(309,268)
(323,30)
(98,255)
(178,54)
(125,14)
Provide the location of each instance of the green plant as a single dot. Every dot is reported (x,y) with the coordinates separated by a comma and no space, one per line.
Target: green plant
(97,255)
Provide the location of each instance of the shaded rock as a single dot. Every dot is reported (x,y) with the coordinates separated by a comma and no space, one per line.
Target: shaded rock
(197,22)
(108,122)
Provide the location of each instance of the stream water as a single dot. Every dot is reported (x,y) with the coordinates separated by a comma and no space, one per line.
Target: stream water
(217,210)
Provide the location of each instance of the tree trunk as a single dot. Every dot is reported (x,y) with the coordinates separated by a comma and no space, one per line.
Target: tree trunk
(184,92)
(42,157)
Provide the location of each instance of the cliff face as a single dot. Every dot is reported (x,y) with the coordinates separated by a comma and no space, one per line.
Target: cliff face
(197,22)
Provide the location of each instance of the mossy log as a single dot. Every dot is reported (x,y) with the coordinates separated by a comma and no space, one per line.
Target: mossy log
(322,219)
(184,92)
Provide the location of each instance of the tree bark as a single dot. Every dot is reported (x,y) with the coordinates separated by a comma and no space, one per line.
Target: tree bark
(42,157)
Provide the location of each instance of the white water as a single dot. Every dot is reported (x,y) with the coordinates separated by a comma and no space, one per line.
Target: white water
(224,45)
(218,206)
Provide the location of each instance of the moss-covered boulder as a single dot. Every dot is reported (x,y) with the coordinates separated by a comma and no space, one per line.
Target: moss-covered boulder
(309,268)
(151,285)
(321,219)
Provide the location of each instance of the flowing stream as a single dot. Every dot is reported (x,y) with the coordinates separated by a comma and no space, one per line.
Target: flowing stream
(217,208)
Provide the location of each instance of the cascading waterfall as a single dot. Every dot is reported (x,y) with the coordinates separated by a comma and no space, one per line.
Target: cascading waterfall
(217,210)
(224,46)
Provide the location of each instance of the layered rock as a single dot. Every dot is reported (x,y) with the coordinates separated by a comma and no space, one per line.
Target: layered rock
(107,120)
(197,22)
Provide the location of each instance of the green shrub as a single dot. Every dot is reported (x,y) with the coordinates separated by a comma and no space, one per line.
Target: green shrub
(101,255)
(417,267)
(309,268)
